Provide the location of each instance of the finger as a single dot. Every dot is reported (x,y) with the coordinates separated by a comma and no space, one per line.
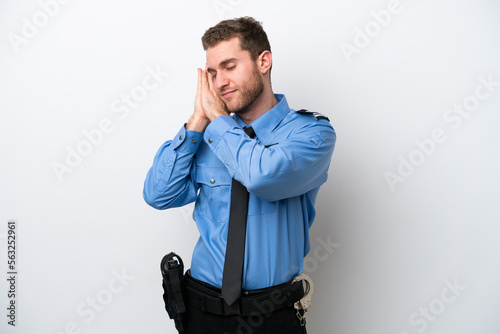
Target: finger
(197,101)
(204,81)
(198,88)
(210,80)
(198,82)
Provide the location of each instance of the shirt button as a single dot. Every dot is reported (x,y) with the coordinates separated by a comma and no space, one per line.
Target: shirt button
(180,137)
(210,140)
(193,140)
(212,181)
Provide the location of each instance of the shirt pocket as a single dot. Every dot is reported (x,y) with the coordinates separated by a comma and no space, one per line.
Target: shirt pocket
(215,193)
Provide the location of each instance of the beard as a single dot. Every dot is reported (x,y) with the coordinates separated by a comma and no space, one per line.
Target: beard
(250,92)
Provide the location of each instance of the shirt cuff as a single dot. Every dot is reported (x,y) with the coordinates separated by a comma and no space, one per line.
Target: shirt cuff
(187,140)
(217,128)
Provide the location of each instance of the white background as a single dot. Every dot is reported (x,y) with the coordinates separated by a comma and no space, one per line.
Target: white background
(394,248)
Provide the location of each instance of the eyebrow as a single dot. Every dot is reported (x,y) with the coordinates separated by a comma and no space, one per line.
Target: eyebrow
(222,63)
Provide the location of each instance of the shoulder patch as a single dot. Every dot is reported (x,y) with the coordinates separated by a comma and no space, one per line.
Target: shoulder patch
(315,114)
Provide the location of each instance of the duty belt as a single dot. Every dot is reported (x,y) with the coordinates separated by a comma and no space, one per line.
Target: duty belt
(209,299)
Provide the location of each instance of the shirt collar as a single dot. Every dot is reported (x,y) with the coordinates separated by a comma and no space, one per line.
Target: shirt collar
(268,121)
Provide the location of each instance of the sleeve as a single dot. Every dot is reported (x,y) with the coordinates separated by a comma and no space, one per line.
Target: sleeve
(292,167)
(170,182)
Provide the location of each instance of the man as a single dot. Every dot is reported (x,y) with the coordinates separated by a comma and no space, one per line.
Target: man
(281,164)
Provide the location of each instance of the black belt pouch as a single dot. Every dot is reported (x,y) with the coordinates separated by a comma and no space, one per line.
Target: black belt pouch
(172,270)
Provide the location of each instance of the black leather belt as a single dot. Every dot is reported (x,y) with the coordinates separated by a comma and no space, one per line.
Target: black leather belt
(208,298)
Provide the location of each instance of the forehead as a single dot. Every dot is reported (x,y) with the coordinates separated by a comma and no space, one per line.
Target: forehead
(224,50)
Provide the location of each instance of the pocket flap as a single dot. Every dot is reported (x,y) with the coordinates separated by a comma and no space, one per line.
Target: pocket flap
(213,176)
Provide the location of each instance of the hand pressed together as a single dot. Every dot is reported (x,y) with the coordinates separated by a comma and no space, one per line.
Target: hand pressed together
(208,105)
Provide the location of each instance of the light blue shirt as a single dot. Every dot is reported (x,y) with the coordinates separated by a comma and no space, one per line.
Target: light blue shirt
(282,168)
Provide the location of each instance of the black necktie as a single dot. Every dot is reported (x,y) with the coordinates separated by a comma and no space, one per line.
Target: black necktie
(235,249)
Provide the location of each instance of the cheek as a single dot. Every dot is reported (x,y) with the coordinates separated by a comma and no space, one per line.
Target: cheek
(242,75)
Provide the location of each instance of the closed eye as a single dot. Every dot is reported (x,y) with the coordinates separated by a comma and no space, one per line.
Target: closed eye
(213,73)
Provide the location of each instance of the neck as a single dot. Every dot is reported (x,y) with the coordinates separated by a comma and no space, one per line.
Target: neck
(265,102)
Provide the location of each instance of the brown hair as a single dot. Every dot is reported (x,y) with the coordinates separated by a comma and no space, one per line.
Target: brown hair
(252,36)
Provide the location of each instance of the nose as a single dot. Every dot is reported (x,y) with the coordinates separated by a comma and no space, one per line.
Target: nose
(221,80)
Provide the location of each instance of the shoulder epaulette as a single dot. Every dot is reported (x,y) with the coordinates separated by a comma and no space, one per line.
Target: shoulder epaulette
(315,114)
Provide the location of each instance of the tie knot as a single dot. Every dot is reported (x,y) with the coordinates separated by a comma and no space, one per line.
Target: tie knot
(249,131)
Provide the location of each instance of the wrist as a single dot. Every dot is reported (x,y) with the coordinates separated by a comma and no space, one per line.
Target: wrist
(218,114)
(197,123)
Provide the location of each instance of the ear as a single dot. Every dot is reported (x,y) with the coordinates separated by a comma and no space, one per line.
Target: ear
(265,61)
